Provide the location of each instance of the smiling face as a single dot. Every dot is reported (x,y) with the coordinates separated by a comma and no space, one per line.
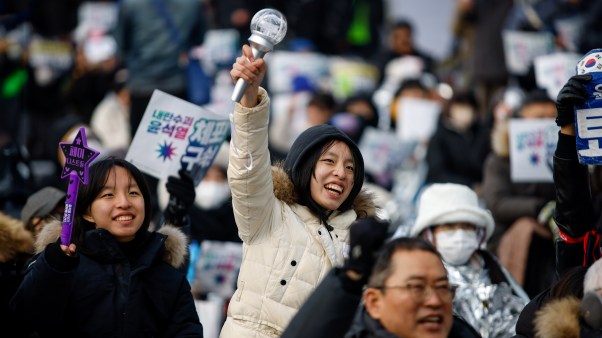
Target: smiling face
(399,311)
(119,206)
(332,180)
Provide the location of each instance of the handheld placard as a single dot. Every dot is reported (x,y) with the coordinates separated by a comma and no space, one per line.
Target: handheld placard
(588,117)
(77,160)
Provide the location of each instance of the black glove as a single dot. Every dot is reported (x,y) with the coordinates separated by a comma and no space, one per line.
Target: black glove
(366,237)
(573,93)
(181,196)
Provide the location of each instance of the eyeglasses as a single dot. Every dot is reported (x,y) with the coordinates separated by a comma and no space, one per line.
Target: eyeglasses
(421,291)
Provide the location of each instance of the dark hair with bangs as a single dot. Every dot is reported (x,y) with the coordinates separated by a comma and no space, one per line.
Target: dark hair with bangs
(383,268)
(98,176)
(305,172)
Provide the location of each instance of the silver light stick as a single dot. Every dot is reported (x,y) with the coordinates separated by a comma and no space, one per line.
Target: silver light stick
(268,28)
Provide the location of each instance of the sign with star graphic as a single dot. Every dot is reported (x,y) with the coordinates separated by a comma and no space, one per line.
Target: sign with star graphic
(174,134)
(532,146)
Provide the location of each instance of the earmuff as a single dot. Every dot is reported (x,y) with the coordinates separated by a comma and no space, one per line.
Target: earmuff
(591,309)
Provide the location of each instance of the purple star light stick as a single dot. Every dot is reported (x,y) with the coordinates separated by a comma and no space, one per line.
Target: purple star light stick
(77,160)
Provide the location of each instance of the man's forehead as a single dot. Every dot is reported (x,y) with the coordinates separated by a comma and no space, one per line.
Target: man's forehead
(418,264)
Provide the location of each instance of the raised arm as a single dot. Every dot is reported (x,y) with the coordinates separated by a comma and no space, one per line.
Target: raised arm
(249,169)
(574,213)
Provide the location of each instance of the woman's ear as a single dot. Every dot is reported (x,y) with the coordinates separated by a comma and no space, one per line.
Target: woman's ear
(88,218)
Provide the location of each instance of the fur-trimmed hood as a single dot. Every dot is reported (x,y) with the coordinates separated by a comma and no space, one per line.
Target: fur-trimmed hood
(14,238)
(558,319)
(176,244)
(285,191)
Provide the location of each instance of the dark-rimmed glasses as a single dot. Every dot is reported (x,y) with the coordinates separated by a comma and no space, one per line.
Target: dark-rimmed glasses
(420,292)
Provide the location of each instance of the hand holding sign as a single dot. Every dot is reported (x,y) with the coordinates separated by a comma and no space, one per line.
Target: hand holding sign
(77,160)
(588,112)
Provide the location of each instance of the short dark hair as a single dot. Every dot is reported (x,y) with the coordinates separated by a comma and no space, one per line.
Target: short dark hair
(323,100)
(98,175)
(403,24)
(383,268)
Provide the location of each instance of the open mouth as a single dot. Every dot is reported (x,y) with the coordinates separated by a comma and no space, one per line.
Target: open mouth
(334,188)
(124,218)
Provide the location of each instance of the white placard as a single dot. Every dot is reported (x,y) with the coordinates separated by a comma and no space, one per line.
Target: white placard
(521,48)
(285,66)
(553,70)
(532,146)
(416,118)
(383,151)
(176,134)
(95,16)
(219,49)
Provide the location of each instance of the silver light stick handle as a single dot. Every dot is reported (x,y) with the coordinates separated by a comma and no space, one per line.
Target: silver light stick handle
(260,47)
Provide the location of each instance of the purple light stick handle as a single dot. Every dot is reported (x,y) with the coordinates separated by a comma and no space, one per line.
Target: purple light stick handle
(69,208)
(77,160)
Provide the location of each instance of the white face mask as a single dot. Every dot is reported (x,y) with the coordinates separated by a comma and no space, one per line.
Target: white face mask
(210,195)
(456,246)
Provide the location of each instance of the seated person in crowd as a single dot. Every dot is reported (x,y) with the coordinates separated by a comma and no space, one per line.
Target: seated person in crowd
(450,218)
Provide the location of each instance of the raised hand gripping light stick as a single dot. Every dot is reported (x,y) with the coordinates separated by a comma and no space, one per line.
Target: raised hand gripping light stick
(77,160)
(268,28)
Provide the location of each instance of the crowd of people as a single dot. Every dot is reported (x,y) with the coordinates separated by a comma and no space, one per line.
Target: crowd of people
(366,186)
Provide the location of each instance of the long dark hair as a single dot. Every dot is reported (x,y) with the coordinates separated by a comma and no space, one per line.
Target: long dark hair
(98,176)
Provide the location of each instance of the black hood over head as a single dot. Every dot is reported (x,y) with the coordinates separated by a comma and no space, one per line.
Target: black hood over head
(312,140)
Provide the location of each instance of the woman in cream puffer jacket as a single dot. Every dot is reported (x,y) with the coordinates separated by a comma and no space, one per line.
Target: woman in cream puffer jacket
(293,218)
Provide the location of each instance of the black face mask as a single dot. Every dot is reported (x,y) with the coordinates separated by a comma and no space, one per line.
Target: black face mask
(591,309)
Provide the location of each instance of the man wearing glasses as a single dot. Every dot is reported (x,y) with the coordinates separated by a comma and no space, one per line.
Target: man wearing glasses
(407,293)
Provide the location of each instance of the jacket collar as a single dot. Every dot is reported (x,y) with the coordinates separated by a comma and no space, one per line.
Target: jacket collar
(174,241)
(285,191)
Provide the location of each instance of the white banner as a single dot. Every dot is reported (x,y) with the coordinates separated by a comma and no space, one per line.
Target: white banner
(176,134)
(532,146)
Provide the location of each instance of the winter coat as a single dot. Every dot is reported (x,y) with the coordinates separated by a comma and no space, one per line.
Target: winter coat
(509,201)
(488,297)
(366,327)
(560,319)
(286,249)
(101,292)
(455,156)
(334,311)
(16,247)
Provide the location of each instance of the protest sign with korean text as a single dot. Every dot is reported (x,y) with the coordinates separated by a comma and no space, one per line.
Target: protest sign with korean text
(175,134)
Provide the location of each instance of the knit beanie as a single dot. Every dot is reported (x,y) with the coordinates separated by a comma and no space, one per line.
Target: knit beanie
(312,140)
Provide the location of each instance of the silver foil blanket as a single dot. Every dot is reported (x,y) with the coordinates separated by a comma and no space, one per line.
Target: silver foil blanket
(492,309)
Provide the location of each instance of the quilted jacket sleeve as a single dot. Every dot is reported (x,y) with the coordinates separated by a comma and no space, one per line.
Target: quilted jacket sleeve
(249,170)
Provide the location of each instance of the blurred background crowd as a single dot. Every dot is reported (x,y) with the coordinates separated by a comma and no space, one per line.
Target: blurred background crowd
(426,89)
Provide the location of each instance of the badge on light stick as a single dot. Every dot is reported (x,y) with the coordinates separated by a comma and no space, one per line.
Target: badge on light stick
(268,28)
(77,160)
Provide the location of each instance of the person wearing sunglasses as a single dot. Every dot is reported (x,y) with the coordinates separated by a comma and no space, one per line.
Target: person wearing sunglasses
(452,220)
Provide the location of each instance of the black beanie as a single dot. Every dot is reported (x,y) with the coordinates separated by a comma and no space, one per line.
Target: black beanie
(313,139)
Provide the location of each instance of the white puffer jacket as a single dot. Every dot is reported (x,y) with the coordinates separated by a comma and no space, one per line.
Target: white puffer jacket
(286,251)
